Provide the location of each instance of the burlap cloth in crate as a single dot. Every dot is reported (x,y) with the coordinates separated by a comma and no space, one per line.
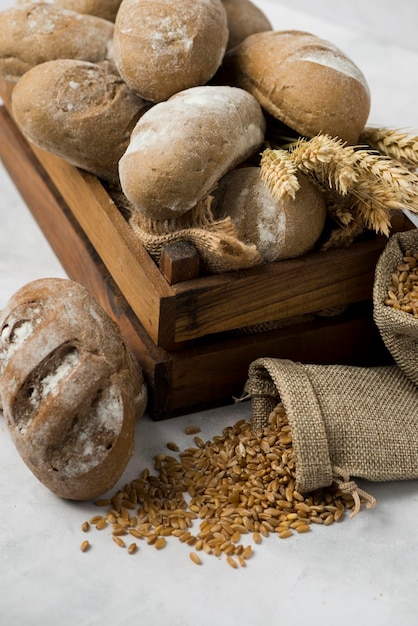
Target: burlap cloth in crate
(350,421)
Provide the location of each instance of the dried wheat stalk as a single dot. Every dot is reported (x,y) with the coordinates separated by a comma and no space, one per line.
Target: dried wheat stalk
(373,183)
(394,143)
(278,171)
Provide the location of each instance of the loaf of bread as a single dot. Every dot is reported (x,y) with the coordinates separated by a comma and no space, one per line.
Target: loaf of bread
(280,229)
(303,81)
(164,47)
(35,33)
(78,111)
(180,148)
(70,389)
(244,18)
(105,9)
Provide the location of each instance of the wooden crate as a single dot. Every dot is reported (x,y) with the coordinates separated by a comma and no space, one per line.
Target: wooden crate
(185,334)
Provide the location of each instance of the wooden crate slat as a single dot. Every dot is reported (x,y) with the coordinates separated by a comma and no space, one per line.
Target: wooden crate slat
(277,291)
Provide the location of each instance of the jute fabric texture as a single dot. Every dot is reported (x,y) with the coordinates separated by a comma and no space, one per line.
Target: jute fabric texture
(351,421)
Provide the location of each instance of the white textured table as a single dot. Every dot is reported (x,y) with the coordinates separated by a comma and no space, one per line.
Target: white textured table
(361,571)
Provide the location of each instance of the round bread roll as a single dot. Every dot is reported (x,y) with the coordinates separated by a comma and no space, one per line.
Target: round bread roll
(35,33)
(310,85)
(70,389)
(105,9)
(244,18)
(164,47)
(280,229)
(180,148)
(78,111)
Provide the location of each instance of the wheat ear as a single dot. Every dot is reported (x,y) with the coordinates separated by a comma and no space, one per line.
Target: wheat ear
(393,143)
(278,171)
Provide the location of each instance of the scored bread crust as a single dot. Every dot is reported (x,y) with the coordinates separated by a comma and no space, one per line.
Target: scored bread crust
(304,81)
(35,33)
(71,391)
(78,111)
(163,47)
(180,148)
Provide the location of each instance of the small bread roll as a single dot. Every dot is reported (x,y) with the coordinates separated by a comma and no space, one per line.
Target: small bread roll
(71,391)
(78,111)
(244,18)
(164,47)
(35,33)
(179,149)
(280,229)
(310,85)
(105,9)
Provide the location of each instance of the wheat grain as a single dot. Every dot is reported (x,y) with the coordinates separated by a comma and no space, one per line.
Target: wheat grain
(240,483)
(195,558)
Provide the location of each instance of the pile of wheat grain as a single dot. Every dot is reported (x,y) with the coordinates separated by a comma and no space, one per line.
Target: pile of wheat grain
(403,291)
(221,497)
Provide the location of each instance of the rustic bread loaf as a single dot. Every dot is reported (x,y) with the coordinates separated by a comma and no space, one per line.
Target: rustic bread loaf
(71,391)
(78,111)
(164,47)
(180,148)
(280,229)
(105,9)
(303,81)
(244,18)
(35,33)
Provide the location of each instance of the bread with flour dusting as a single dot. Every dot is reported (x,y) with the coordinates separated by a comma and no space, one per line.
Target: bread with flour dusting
(244,18)
(35,33)
(280,229)
(180,148)
(78,111)
(163,47)
(70,389)
(304,81)
(106,9)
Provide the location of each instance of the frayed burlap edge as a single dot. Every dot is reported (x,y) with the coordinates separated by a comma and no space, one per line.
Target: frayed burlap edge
(217,242)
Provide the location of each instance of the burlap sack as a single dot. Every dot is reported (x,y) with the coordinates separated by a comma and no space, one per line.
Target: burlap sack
(398,330)
(217,242)
(345,421)
(351,421)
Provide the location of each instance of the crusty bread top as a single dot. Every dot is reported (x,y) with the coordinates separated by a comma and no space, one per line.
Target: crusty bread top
(280,229)
(180,148)
(68,387)
(163,47)
(106,9)
(310,84)
(244,18)
(78,111)
(35,33)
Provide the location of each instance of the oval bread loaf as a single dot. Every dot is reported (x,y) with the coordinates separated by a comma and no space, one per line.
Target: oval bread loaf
(280,229)
(179,149)
(70,389)
(105,9)
(164,47)
(33,34)
(310,84)
(78,111)
(244,18)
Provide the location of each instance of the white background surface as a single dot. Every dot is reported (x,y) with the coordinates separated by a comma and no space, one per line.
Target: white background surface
(361,571)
